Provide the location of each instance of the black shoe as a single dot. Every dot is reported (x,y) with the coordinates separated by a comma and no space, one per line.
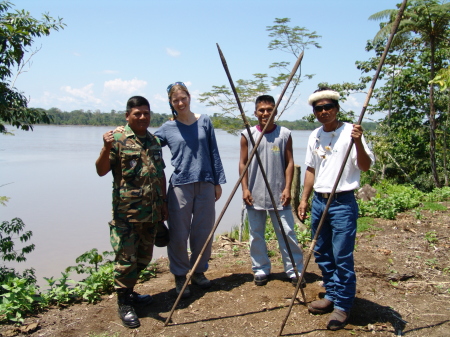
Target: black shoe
(141,299)
(200,280)
(261,280)
(179,283)
(294,281)
(126,311)
(128,316)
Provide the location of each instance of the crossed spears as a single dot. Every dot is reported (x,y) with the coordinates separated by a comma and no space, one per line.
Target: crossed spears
(254,151)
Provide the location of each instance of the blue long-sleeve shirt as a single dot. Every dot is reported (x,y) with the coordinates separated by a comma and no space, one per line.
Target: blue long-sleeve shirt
(195,156)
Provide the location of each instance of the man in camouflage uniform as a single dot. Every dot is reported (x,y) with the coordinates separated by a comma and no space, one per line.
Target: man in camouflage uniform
(139,201)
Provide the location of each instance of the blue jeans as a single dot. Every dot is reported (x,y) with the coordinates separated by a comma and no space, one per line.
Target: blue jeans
(258,248)
(334,247)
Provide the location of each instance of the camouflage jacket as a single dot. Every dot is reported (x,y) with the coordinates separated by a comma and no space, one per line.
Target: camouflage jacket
(138,171)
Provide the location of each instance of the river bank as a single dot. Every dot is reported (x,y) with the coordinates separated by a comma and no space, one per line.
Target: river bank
(403,270)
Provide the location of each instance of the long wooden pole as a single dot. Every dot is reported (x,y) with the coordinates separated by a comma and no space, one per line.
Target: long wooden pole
(263,171)
(189,275)
(333,191)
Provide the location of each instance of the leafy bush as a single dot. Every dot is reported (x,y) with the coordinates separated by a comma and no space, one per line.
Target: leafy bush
(9,273)
(92,257)
(303,237)
(439,194)
(19,293)
(148,272)
(100,280)
(96,284)
(7,244)
(60,291)
(18,298)
(390,200)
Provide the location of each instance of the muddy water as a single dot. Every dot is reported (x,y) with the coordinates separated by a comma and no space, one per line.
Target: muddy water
(49,176)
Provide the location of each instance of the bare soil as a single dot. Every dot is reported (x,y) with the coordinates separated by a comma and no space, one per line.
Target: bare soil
(403,288)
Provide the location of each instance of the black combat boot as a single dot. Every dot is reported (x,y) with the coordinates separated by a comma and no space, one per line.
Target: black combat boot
(126,310)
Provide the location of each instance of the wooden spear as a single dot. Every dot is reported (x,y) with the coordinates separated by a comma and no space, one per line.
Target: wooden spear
(252,153)
(333,191)
(263,172)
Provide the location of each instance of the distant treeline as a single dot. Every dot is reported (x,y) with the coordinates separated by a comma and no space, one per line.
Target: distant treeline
(97,118)
(115,118)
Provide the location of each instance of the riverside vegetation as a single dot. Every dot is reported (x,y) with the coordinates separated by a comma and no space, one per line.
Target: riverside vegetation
(114,118)
(20,296)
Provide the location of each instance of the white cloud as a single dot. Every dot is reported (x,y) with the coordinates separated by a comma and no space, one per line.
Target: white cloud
(172,52)
(161,98)
(352,102)
(85,94)
(124,87)
(45,100)
(109,72)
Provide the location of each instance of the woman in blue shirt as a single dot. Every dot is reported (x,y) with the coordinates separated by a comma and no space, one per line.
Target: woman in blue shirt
(193,188)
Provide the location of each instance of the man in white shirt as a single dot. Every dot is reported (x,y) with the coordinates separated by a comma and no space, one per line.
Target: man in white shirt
(327,146)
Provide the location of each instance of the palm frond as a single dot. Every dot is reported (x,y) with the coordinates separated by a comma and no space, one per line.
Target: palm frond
(384,14)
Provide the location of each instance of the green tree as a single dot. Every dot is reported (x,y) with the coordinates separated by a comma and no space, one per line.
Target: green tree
(292,41)
(223,97)
(18,30)
(443,80)
(429,20)
(401,143)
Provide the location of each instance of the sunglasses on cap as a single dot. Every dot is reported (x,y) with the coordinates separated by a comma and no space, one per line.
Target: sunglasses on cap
(326,107)
(176,83)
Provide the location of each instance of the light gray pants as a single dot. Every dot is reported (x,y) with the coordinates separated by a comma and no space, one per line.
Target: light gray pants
(191,216)
(258,247)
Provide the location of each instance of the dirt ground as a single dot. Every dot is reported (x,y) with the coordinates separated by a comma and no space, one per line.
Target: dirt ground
(403,289)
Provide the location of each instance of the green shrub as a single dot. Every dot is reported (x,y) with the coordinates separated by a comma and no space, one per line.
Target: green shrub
(8,273)
(10,231)
(18,299)
(148,272)
(93,258)
(439,194)
(60,291)
(390,200)
(96,284)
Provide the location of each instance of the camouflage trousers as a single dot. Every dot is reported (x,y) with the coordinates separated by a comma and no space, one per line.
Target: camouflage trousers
(132,243)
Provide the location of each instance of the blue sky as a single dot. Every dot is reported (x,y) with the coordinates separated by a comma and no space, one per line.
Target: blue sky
(111,50)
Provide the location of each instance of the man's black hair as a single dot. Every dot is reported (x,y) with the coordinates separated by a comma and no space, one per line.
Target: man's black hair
(264,98)
(136,101)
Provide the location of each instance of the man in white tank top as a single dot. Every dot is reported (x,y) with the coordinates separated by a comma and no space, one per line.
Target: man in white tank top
(275,151)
